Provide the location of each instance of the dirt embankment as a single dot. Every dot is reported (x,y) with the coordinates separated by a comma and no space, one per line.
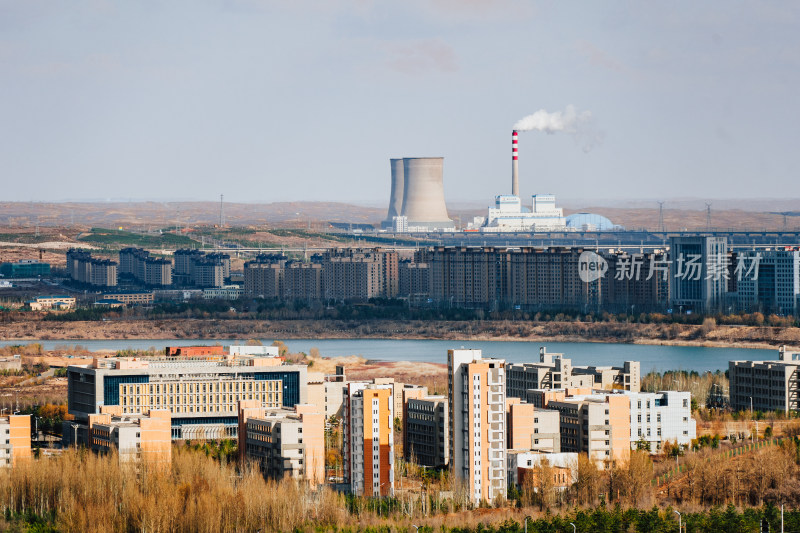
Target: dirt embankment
(675,334)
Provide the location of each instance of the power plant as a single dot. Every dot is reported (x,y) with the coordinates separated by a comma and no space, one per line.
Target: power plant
(417,197)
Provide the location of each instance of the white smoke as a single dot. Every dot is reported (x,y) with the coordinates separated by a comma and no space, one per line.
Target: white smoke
(578,124)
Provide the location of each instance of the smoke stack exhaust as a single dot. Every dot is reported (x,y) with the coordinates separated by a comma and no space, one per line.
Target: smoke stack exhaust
(514,165)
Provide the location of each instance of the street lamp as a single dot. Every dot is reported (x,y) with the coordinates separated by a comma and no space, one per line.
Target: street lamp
(416,528)
(574,529)
(680,521)
(525,522)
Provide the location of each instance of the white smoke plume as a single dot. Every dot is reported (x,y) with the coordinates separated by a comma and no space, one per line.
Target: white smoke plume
(578,124)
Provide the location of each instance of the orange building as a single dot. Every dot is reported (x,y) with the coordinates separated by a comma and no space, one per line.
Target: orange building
(15,439)
(476,388)
(596,424)
(368,426)
(284,442)
(193,351)
(531,428)
(146,437)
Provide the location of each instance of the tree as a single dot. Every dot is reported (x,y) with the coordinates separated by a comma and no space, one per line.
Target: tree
(642,445)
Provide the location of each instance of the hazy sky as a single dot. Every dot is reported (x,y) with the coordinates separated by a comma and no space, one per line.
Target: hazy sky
(307,100)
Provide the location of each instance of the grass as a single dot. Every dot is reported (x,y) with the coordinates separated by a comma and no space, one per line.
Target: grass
(111,237)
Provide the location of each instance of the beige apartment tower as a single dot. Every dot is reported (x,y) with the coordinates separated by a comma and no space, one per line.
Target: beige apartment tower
(476,396)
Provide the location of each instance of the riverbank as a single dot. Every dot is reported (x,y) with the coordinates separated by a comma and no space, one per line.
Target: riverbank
(607,332)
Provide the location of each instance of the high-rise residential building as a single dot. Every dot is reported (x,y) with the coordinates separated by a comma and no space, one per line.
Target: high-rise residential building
(596,424)
(202,395)
(426,431)
(766,385)
(659,417)
(359,274)
(84,268)
(413,281)
(15,439)
(532,428)
(768,280)
(699,272)
(635,282)
(135,437)
(284,442)
(476,396)
(303,281)
(263,279)
(368,438)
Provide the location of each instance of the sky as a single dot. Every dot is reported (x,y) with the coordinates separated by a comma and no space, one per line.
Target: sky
(268,100)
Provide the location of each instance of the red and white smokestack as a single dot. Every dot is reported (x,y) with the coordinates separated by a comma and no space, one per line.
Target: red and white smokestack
(514,165)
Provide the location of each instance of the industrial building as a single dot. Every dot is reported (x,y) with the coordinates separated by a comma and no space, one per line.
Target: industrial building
(285,443)
(476,395)
(202,395)
(368,437)
(417,194)
(766,385)
(27,268)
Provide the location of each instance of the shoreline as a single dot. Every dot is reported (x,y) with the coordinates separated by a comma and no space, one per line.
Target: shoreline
(750,337)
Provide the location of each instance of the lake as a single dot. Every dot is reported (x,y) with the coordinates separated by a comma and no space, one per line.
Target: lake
(652,357)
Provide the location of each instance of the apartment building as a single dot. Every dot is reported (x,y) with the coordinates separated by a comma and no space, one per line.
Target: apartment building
(139,265)
(264,278)
(135,437)
(476,397)
(15,439)
(43,303)
(766,385)
(598,425)
(368,439)
(284,442)
(426,431)
(635,283)
(207,272)
(84,268)
(532,428)
(524,468)
(554,371)
(202,395)
(413,281)
(303,281)
(774,284)
(359,274)
(659,417)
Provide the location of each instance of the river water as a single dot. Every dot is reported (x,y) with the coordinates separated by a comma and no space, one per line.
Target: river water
(652,357)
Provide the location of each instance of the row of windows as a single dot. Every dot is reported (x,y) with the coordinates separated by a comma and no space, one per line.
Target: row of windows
(202,387)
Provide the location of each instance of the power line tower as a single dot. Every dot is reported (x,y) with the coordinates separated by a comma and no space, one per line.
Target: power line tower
(661,216)
(221,211)
(708,217)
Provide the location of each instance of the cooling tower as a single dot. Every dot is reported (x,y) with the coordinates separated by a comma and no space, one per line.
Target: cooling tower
(423,195)
(398,189)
